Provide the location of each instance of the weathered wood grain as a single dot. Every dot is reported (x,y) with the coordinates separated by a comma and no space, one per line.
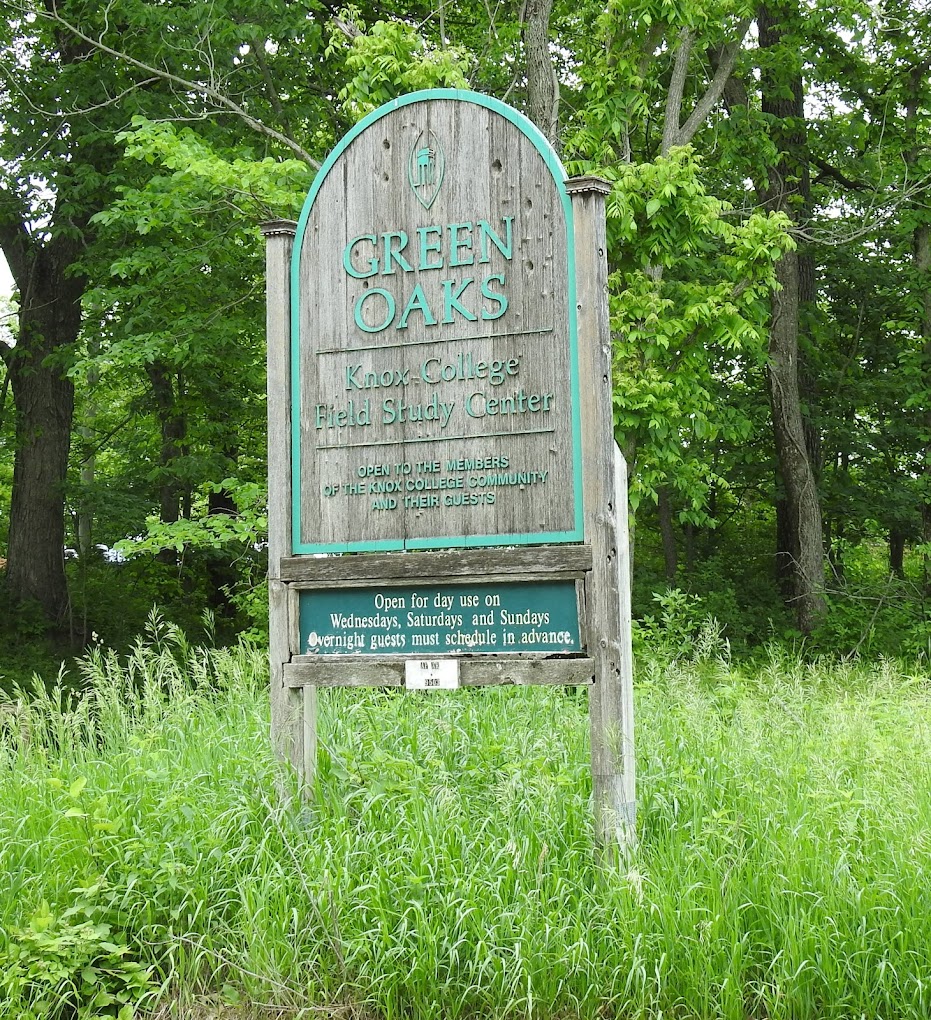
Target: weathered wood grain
(605,529)
(493,175)
(625,752)
(370,671)
(438,579)
(568,560)
(279,241)
(292,712)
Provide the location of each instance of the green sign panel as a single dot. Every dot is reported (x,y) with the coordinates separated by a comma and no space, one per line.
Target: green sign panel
(441,619)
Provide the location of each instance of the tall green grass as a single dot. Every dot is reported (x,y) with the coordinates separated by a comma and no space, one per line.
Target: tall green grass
(444,867)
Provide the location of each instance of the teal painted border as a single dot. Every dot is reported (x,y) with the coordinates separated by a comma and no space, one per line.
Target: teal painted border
(530,130)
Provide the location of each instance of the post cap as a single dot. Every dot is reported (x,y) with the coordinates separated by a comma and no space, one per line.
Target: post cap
(579,185)
(273,228)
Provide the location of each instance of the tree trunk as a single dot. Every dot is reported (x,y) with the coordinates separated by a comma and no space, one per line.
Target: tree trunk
(88,466)
(43,397)
(897,552)
(802,516)
(667,530)
(689,533)
(173,428)
(786,550)
(221,572)
(807,382)
(922,249)
(801,547)
(542,83)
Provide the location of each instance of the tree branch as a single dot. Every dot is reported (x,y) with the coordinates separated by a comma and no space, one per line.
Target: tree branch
(652,40)
(830,171)
(715,90)
(5,357)
(207,91)
(273,96)
(83,111)
(674,93)
(735,92)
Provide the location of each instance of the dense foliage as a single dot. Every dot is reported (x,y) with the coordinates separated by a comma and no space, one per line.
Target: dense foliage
(770,252)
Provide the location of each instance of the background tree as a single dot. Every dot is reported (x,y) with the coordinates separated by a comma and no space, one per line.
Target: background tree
(64,99)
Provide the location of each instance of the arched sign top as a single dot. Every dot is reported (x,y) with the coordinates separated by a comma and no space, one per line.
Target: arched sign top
(434,342)
(522,123)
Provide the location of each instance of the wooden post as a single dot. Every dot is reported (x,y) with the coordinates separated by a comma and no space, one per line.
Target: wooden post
(606,531)
(625,750)
(293,711)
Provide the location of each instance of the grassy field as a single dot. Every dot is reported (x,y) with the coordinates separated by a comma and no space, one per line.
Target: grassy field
(445,867)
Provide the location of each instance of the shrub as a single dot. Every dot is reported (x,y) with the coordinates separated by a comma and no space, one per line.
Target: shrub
(72,964)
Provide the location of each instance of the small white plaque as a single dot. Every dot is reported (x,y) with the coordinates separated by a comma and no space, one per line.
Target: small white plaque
(431,674)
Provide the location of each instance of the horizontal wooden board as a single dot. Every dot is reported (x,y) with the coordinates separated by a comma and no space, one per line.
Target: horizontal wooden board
(368,671)
(546,561)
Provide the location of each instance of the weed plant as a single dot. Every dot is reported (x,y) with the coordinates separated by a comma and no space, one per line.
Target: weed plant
(443,866)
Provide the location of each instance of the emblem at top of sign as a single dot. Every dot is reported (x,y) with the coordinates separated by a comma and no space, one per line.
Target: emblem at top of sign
(426,167)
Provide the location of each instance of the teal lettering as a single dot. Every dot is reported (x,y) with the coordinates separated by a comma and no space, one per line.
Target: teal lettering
(332,417)
(356,379)
(501,299)
(451,300)
(455,244)
(394,255)
(486,234)
(347,259)
(426,248)
(480,405)
(390,309)
(434,370)
(417,302)
(399,411)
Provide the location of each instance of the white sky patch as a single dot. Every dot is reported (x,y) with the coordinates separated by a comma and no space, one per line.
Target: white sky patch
(6,292)
(6,279)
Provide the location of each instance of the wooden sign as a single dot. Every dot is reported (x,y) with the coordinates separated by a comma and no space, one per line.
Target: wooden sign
(434,340)
(439,402)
